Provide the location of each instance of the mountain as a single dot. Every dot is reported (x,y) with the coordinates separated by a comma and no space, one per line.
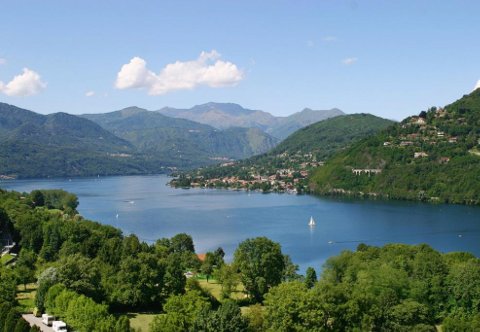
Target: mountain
(288,125)
(223,116)
(294,157)
(59,144)
(431,157)
(226,115)
(180,142)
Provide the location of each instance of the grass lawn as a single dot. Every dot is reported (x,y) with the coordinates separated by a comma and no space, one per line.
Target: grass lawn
(141,321)
(26,298)
(6,258)
(215,288)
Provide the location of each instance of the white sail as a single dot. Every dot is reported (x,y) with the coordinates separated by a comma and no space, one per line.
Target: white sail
(312,222)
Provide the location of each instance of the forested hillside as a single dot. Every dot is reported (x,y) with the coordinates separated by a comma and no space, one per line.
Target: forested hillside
(303,150)
(35,145)
(180,142)
(431,157)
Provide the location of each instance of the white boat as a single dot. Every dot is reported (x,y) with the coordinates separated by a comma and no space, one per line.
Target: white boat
(311,222)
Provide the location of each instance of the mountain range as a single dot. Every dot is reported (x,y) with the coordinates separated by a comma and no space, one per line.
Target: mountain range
(134,140)
(183,143)
(226,115)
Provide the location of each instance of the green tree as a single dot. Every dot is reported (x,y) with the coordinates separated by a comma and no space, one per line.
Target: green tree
(181,312)
(208,265)
(284,306)
(310,277)
(229,278)
(22,326)
(25,267)
(228,318)
(5,308)
(35,328)
(261,264)
(255,317)
(37,198)
(181,243)
(11,320)
(46,279)
(174,280)
(7,285)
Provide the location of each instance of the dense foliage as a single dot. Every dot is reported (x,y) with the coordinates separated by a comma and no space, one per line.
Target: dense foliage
(88,274)
(433,157)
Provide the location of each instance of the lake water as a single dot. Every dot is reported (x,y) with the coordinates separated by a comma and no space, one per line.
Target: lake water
(152,210)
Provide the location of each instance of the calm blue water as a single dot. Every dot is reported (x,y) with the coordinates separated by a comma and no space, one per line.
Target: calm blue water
(150,209)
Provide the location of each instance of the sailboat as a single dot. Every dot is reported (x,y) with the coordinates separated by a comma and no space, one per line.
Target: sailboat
(312,222)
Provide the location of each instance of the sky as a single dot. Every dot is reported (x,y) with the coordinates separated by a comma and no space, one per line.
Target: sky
(389,58)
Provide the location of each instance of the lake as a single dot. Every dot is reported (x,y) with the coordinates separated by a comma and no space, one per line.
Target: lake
(148,208)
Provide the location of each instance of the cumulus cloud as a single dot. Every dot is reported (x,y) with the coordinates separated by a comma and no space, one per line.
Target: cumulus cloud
(89,93)
(207,70)
(477,86)
(26,84)
(349,61)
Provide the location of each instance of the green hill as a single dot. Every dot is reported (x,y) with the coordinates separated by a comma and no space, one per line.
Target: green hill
(35,145)
(179,142)
(304,149)
(431,157)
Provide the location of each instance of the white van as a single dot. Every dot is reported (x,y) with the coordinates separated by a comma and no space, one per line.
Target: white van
(59,326)
(47,319)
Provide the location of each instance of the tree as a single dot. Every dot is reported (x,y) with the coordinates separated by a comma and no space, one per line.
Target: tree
(35,328)
(81,275)
(8,286)
(11,320)
(46,279)
(174,280)
(208,264)
(5,308)
(181,243)
(310,277)
(228,277)
(37,198)
(22,326)
(25,267)
(261,264)
(285,307)
(180,312)
(255,318)
(228,318)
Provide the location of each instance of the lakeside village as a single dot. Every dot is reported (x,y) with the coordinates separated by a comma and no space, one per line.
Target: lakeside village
(284,173)
(289,172)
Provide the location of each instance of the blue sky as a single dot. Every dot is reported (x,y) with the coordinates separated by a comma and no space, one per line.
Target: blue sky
(389,58)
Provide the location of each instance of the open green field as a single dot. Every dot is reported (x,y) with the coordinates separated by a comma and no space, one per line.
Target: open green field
(6,258)
(141,321)
(26,297)
(215,288)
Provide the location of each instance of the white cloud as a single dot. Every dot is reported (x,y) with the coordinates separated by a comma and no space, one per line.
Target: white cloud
(329,39)
(3,61)
(477,86)
(89,93)
(349,61)
(207,70)
(26,84)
